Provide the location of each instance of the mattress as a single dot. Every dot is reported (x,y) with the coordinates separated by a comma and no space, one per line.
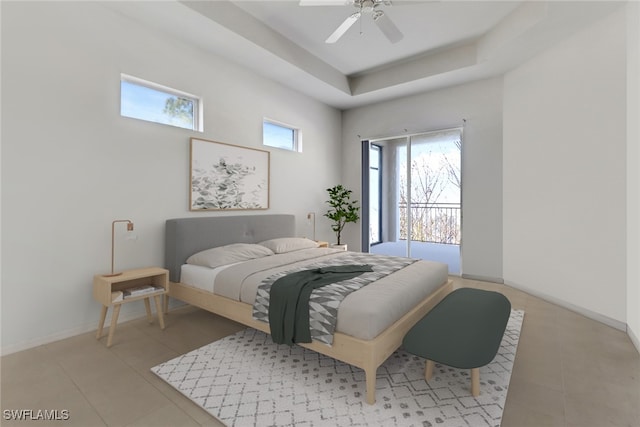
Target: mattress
(363,314)
(200,277)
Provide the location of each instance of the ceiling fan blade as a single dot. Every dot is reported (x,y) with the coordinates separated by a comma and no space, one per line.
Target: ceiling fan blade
(343,28)
(388,27)
(325,2)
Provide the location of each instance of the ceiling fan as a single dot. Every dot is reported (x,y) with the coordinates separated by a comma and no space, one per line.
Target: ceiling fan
(363,7)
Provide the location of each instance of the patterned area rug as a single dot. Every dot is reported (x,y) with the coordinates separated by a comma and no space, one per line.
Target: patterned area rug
(247,380)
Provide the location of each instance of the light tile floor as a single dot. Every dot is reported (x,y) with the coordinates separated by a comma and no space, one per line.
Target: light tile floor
(569,371)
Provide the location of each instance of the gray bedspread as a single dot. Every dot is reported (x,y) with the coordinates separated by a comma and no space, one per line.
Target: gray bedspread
(325,301)
(363,314)
(290,315)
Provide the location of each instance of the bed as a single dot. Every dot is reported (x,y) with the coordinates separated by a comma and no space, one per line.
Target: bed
(371,322)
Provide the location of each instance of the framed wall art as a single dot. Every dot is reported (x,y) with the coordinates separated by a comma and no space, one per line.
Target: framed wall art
(228,177)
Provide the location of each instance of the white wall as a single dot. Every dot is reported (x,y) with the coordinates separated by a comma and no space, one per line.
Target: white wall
(633,174)
(565,172)
(480,103)
(71,164)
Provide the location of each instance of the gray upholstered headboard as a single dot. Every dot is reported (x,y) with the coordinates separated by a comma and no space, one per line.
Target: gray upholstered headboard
(186,236)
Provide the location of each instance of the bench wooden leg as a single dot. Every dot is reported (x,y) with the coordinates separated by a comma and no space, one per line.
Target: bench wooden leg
(475,382)
(428,370)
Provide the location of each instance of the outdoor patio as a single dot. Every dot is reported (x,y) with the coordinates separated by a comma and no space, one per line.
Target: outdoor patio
(447,253)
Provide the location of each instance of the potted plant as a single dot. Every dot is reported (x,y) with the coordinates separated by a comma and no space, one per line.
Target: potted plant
(343,210)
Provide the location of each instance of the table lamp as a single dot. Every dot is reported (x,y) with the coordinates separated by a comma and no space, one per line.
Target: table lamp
(113,247)
(312,216)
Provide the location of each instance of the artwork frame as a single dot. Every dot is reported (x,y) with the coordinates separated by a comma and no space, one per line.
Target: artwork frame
(227,177)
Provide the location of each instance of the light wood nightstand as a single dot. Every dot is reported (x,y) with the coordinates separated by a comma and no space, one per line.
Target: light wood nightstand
(117,290)
(322,244)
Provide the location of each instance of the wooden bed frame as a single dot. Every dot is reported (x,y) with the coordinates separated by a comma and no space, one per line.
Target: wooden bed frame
(365,354)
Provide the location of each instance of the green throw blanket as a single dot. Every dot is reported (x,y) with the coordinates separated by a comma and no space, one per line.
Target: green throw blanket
(289,300)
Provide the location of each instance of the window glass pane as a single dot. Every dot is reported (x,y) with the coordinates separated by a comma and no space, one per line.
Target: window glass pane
(145,103)
(375,194)
(279,136)
(374,204)
(374,156)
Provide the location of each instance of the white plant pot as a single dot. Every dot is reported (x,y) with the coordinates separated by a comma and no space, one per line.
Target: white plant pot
(342,247)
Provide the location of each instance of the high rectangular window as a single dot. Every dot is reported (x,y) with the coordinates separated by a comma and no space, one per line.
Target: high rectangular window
(144,100)
(279,135)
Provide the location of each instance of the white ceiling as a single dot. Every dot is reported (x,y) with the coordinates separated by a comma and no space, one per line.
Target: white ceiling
(445,42)
(426,25)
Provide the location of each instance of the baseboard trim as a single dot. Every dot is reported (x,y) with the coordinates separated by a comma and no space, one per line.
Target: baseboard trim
(634,339)
(36,342)
(26,345)
(93,326)
(622,326)
(483,278)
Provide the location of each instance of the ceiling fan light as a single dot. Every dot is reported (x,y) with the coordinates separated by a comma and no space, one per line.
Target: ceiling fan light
(383,22)
(367,6)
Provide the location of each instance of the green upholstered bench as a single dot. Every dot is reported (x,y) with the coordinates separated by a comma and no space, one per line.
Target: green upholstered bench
(464,331)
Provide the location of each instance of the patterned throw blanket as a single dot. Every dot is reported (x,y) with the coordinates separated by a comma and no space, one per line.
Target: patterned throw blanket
(324,301)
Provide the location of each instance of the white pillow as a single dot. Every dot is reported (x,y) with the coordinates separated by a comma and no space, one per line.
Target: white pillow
(288,244)
(223,255)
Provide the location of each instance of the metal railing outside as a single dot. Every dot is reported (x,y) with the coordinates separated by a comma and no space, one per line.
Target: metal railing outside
(432,222)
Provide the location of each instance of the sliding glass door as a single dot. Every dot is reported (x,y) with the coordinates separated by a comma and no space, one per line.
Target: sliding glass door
(420,211)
